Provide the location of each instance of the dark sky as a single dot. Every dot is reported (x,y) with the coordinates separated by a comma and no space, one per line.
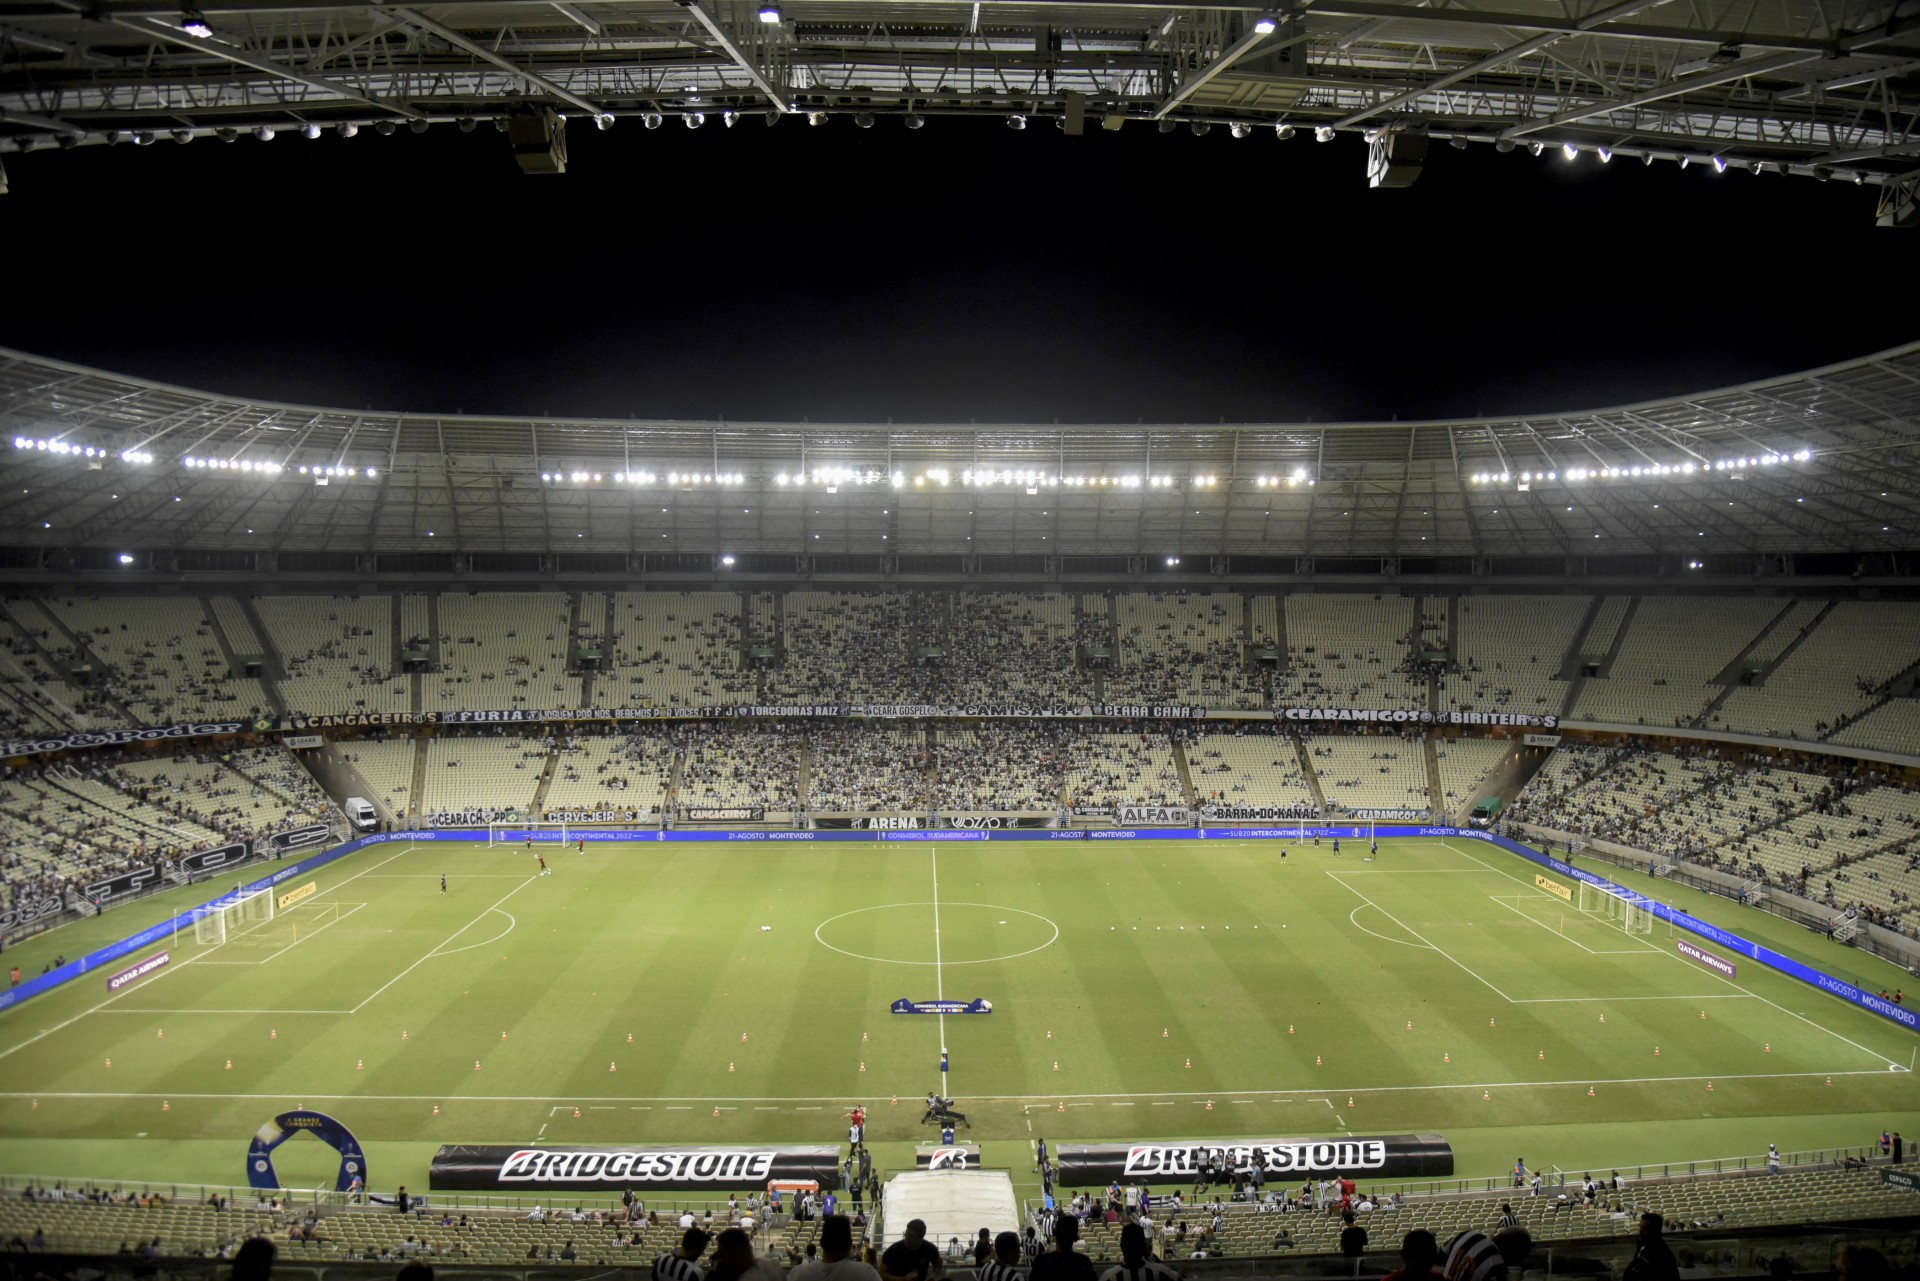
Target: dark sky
(964,271)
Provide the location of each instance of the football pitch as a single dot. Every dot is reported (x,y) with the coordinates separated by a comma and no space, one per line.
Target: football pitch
(719,993)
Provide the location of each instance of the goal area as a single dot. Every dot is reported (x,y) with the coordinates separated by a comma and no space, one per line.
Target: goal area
(219,922)
(1633,913)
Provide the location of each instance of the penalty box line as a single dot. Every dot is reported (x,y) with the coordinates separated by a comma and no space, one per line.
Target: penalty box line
(1275,1096)
(443,942)
(1423,938)
(163,974)
(1675,955)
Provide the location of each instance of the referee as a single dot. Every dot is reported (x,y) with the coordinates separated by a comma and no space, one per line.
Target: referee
(680,1265)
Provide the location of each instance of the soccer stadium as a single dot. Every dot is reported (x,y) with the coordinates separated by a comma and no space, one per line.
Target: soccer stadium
(1034,640)
(531,865)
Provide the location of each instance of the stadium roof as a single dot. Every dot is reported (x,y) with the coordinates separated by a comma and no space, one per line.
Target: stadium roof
(1826,461)
(1793,86)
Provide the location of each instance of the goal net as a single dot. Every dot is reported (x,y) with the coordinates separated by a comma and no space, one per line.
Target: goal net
(1638,919)
(217,924)
(521,833)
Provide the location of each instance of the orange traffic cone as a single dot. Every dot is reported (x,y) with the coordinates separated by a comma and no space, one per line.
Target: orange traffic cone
(1603,1018)
(165,1106)
(476,1065)
(1768,1047)
(629,1038)
(863,1037)
(1656,1051)
(1543,1056)
(743,1036)
(1590,1091)
(274,1035)
(1164,1032)
(1209,1105)
(863,1065)
(1489,1022)
(729,1065)
(1289,1029)
(612,1066)
(1049,1034)
(896,1099)
(436,1109)
(1829,1082)
(1409,1025)
(359,1065)
(1056,1065)
(576,1112)
(1061,1108)
(503,1035)
(1709,1087)
(1703,1014)
(1446,1058)
(1486,1096)
(1189,1062)
(229,1065)
(1316,1060)
(1349,1100)
(403,1036)
(716,1111)
(160,1034)
(36,1102)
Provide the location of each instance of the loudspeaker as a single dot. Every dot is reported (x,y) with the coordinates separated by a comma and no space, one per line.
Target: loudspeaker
(539,140)
(1394,159)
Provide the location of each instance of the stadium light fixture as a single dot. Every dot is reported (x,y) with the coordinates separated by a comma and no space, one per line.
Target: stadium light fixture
(125,558)
(863,120)
(1173,562)
(653,119)
(1323,133)
(194,23)
(349,130)
(694,119)
(1240,128)
(816,118)
(310,130)
(1719,164)
(726,562)
(1200,128)
(180,136)
(1570,151)
(1265,24)
(770,14)
(914,121)
(1604,154)
(1283,131)
(1016,122)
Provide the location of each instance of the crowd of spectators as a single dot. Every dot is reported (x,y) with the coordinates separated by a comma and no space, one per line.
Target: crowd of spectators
(733,763)
(862,769)
(1002,765)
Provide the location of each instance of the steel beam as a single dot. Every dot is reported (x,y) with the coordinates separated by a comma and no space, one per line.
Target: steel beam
(775,98)
(414,18)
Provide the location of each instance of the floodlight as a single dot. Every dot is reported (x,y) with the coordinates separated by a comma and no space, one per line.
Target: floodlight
(1016,122)
(727,561)
(144,138)
(125,558)
(385,128)
(1503,145)
(728,118)
(264,133)
(349,130)
(1536,148)
(863,120)
(1604,154)
(181,136)
(1457,142)
(694,119)
(1264,24)
(1168,126)
(816,117)
(1323,133)
(769,14)
(195,24)
(1240,129)
(1172,561)
(914,122)
(1199,128)
(417,125)
(310,130)
(1282,130)
(1719,164)
(652,119)
(1570,151)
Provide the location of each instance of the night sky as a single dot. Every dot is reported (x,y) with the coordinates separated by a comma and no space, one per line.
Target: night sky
(961,272)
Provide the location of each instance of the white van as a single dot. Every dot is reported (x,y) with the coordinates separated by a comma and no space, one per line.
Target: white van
(361,814)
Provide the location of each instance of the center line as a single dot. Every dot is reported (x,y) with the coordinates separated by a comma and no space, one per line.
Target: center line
(939,981)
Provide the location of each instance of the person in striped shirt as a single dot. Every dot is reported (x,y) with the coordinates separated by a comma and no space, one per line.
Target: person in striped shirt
(1005,1263)
(1137,1261)
(680,1264)
(836,1244)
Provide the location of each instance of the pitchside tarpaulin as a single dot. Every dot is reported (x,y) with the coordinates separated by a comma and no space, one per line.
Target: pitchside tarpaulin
(1393,1156)
(606,1168)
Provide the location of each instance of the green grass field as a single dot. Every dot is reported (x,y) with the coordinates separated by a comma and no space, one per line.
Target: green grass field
(1149,989)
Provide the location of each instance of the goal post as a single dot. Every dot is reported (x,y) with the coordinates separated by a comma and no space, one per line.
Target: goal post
(1639,919)
(221,921)
(521,833)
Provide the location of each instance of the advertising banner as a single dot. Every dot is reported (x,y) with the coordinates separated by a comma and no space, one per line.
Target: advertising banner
(134,972)
(975,1006)
(1554,887)
(291,897)
(1718,964)
(120,737)
(299,741)
(1257,813)
(353,1158)
(608,1168)
(1395,1156)
(125,885)
(1540,740)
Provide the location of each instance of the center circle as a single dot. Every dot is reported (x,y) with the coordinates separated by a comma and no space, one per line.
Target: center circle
(968,934)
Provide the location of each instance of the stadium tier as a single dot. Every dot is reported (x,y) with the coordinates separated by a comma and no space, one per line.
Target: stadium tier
(1258,766)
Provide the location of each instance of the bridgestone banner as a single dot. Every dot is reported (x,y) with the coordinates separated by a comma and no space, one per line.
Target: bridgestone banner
(1394,1156)
(607,1168)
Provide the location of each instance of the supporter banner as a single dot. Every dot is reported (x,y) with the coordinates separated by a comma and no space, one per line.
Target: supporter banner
(1540,740)
(118,737)
(1105,711)
(871,822)
(204,861)
(952,1156)
(1412,716)
(298,741)
(589,816)
(1093,811)
(1154,815)
(1400,815)
(124,885)
(31,907)
(117,981)
(721,814)
(1396,1156)
(291,897)
(1718,964)
(975,1006)
(1900,1179)
(1554,887)
(1258,813)
(281,844)
(606,1168)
